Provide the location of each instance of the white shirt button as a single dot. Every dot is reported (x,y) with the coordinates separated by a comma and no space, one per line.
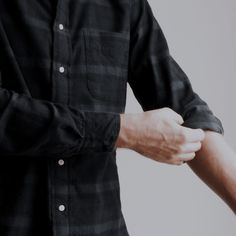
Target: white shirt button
(61,208)
(61,162)
(61,69)
(61,26)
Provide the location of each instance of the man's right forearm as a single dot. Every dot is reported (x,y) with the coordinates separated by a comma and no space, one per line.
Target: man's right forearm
(34,127)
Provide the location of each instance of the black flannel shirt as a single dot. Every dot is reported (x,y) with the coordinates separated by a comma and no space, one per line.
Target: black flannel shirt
(64,68)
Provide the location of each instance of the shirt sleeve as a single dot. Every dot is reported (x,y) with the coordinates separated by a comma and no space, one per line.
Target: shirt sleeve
(155,77)
(36,127)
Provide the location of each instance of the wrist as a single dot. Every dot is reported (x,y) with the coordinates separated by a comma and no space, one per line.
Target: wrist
(128,130)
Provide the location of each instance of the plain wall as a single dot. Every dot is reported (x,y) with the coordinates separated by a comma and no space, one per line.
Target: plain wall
(160,199)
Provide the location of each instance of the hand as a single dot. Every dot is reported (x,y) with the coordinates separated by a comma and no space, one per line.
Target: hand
(158,134)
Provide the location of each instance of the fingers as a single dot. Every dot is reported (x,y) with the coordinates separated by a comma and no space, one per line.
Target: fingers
(185,157)
(190,147)
(192,135)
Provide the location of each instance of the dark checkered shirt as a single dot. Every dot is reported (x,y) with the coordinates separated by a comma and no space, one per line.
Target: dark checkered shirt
(64,68)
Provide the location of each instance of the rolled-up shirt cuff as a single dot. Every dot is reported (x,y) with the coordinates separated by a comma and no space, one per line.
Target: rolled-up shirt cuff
(211,123)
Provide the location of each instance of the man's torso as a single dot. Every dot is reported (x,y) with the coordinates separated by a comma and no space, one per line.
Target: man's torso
(73,52)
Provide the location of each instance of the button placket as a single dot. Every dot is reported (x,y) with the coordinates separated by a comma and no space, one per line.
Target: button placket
(61,207)
(61,57)
(61,68)
(60,93)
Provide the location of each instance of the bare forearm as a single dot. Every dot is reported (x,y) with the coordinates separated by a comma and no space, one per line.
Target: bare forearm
(215,164)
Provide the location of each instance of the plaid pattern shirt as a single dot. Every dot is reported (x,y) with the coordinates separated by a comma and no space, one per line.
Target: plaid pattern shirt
(64,68)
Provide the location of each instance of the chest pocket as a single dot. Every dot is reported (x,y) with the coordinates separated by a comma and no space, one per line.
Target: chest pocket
(106,65)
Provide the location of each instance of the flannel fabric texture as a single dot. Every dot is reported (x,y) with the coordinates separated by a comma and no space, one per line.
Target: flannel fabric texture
(64,70)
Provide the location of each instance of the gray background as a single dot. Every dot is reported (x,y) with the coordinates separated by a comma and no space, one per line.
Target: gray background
(202,38)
